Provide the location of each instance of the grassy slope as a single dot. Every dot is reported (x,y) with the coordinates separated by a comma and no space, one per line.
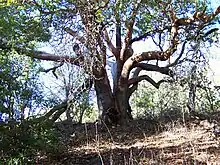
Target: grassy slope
(142,142)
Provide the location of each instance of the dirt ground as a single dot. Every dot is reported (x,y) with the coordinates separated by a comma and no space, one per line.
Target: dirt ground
(141,142)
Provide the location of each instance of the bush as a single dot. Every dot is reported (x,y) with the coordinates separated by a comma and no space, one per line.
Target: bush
(22,143)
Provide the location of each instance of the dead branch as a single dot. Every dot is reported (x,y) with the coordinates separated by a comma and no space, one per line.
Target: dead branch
(52,69)
(52,57)
(57,110)
(54,109)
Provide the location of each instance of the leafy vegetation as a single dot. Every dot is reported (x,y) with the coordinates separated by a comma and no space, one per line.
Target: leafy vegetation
(147,102)
(25,143)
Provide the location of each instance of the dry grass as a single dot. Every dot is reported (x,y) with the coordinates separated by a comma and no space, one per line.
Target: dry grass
(142,142)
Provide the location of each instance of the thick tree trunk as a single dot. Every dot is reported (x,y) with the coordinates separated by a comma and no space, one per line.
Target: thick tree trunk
(105,99)
(123,106)
(113,109)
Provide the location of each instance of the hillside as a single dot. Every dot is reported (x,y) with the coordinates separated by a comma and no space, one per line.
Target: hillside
(142,142)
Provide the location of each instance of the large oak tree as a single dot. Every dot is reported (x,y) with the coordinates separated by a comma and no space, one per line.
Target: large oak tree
(177,28)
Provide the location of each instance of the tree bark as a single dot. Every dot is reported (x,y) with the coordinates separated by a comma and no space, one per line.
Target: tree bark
(122,103)
(105,99)
(192,91)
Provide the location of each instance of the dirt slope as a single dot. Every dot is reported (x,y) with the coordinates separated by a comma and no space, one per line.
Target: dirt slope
(142,142)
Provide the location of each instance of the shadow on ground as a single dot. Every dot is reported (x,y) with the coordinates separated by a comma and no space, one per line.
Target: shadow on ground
(141,142)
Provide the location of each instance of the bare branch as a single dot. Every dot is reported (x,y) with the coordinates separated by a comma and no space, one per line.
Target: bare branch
(134,85)
(151,55)
(158,44)
(52,57)
(150,67)
(75,35)
(147,78)
(132,89)
(150,33)
(197,16)
(176,22)
(51,69)
(129,32)
(211,31)
(40,55)
(118,32)
(179,57)
(56,108)
(109,43)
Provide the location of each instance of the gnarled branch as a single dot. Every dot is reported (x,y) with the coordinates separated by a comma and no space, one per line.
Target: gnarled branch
(151,55)
(150,67)
(147,78)
(40,55)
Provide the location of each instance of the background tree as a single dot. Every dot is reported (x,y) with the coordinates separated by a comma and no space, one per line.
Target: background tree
(64,84)
(174,27)
(20,87)
(147,102)
(21,93)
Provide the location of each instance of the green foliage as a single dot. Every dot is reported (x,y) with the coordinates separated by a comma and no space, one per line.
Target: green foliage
(207,97)
(20,88)
(19,84)
(84,110)
(21,28)
(152,103)
(23,143)
(171,99)
(7,2)
(81,110)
